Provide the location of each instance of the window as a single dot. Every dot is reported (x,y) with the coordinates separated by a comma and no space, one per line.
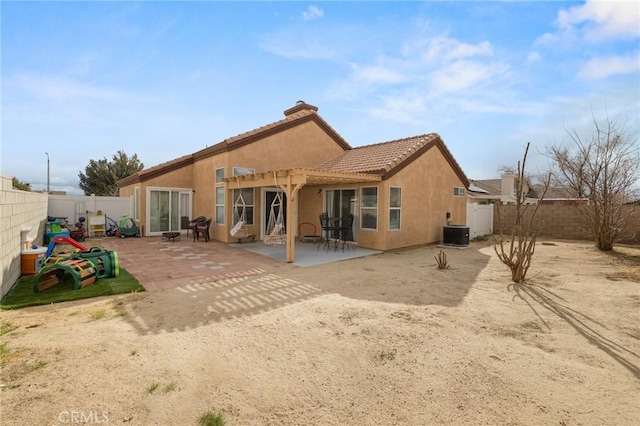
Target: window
(220,196)
(395,207)
(219,175)
(247,196)
(458,192)
(220,205)
(369,210)
(239,171)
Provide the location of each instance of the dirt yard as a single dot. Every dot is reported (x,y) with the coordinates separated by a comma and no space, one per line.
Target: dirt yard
(382,340)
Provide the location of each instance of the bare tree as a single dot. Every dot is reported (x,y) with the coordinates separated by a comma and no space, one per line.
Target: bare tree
(516,250)
(602,171)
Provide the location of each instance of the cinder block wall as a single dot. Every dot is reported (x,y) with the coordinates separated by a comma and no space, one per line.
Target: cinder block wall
(18,209)
(563,221)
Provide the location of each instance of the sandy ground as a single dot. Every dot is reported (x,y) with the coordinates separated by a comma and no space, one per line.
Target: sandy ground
(382,340)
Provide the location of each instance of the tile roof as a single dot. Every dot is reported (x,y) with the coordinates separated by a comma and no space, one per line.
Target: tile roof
(300,113)
(492,186)
(291,120)
(387,158)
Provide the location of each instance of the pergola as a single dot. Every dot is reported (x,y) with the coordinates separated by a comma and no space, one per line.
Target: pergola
(291,181)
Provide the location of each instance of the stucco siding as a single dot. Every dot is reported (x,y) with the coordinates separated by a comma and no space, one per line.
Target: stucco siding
(427,195)
(306,145)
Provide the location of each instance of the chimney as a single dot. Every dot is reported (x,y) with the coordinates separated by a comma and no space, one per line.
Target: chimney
(300,106)
(509,184)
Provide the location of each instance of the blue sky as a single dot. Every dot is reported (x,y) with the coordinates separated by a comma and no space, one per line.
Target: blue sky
(82,80)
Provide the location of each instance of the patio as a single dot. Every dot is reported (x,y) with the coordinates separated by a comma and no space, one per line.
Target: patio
(160,264)
(307,253)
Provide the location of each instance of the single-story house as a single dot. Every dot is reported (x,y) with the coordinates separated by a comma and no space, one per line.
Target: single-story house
(401,192)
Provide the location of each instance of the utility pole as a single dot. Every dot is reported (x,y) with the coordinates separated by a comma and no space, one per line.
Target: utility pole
(48,188)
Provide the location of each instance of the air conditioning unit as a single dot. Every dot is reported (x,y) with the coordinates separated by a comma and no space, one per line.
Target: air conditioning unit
(455,235)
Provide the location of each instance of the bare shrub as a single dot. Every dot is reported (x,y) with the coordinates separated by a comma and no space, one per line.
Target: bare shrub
(517,248)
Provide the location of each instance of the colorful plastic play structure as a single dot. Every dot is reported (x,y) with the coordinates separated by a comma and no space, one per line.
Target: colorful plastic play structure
(85,266)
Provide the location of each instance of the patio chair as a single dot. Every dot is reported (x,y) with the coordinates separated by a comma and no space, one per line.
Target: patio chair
(192,225)
(329,231)
(346,232)
(202,228)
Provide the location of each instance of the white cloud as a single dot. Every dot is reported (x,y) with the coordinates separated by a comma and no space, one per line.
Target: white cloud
(463,75)
(60,89)
(312,12)
(603,19)
(439,70)
(603,67)
(595,21)
(372,74)
(447,49)
(533,57)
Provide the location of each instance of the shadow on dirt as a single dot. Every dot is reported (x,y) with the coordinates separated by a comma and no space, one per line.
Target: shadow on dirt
(583,324)
(407,277)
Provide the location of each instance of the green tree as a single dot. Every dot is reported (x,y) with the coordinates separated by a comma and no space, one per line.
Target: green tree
(101,177)
(23,186)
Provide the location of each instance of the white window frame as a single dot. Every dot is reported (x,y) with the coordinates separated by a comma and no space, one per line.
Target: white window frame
(395,209)
(458,191)
(219,197)
(136,204)
(239,171)
(364,209)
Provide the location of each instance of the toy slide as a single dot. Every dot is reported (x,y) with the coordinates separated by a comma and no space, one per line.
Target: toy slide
(85,267)
(82,271)
(67,240)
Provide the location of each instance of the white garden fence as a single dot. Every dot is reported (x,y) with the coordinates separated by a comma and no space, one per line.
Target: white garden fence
(479,219)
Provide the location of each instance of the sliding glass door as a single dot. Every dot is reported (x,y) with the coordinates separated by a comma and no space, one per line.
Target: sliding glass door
(341,202)
(165,208)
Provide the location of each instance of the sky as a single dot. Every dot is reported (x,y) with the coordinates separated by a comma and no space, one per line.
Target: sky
(84,80)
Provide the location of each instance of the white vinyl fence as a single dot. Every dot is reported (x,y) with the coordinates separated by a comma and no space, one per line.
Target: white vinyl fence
(479,219)
(72,207)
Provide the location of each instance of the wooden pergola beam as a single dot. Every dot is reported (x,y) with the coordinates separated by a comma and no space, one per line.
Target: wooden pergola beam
(294,180)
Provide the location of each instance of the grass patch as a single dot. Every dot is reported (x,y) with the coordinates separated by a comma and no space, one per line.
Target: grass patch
(22,294)
(38,365)
(385,356)
(153,387)
(6,327)
(531,325)
(133,352)
(211,419)
(99,315)
(4,352)
(170,387)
